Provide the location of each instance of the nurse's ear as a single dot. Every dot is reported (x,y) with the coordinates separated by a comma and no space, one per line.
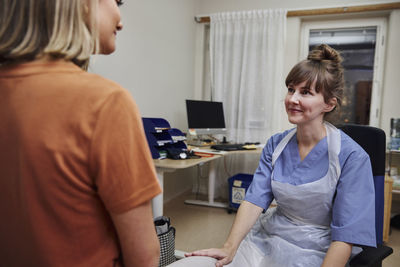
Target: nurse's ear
(330,105)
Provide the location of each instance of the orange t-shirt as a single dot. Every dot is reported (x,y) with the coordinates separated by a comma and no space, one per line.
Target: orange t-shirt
(72,150)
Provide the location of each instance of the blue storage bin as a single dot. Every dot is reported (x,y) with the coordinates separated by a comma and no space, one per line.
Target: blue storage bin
(394,143)
(238,185)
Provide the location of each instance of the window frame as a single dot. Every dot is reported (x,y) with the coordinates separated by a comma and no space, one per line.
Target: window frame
(379,60)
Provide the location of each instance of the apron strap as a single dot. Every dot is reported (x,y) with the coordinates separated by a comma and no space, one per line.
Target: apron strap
(334,146)
(279,148)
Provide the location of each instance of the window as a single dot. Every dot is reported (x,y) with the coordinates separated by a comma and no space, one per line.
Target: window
(361,43)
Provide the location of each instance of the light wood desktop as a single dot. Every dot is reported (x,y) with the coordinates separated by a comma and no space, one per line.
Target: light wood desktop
(170,165)
(387,207)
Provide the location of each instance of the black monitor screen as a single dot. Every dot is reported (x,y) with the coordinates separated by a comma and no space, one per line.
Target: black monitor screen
(205,114)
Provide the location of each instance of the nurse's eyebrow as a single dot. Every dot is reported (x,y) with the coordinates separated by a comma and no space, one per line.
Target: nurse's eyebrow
(307,88)
(302,88)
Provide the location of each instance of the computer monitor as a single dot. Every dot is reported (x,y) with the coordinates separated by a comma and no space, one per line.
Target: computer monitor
(205,117)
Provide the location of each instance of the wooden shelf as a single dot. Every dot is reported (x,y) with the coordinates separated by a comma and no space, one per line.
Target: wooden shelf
(387,207)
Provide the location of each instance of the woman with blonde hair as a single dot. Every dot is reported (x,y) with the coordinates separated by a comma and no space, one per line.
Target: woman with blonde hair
(76,175)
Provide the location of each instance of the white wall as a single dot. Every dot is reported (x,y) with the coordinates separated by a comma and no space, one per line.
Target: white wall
(391,82)
(154,60)
(155,57)
(212,6)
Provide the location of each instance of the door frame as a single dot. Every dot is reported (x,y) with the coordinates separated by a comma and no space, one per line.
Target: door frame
(379,59)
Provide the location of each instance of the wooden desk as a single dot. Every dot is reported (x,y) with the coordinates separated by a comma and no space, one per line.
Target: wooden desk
(170,165)
(387,207)
(211,180)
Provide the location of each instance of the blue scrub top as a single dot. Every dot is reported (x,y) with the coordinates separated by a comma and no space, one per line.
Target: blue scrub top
(353,211)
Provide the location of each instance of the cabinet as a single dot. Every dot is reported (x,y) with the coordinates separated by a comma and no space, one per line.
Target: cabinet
(163,139)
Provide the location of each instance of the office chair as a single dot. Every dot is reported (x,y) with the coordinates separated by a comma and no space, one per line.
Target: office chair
(373,141)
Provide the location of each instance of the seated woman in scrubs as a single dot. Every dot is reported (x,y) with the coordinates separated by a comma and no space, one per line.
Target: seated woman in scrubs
(320,178)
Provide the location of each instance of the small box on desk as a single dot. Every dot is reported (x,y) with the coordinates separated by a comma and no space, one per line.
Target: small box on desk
(238,185)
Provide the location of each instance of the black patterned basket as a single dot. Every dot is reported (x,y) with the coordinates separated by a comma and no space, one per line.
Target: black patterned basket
(167,247)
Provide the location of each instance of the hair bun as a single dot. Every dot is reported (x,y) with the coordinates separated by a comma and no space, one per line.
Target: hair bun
(324,52)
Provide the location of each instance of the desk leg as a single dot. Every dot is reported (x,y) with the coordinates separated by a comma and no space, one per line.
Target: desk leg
(212,174)
(158,201)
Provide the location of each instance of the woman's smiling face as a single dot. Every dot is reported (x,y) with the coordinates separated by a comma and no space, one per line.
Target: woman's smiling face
(305,105)
(109,22)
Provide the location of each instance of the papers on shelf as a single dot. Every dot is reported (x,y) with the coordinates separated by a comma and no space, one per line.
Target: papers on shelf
(178,138)
(163,142)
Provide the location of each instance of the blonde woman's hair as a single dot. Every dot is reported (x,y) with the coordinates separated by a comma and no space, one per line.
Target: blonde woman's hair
(58,29)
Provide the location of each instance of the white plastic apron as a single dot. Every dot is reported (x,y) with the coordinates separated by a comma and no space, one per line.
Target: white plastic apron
(296,233)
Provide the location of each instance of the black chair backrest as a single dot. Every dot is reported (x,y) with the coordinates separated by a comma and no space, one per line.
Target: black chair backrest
(373,141)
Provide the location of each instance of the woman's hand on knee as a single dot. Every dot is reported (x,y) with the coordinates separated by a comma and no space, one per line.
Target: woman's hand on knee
(223,255)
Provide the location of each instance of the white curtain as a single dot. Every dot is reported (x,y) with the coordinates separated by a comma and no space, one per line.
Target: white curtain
(246,63)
